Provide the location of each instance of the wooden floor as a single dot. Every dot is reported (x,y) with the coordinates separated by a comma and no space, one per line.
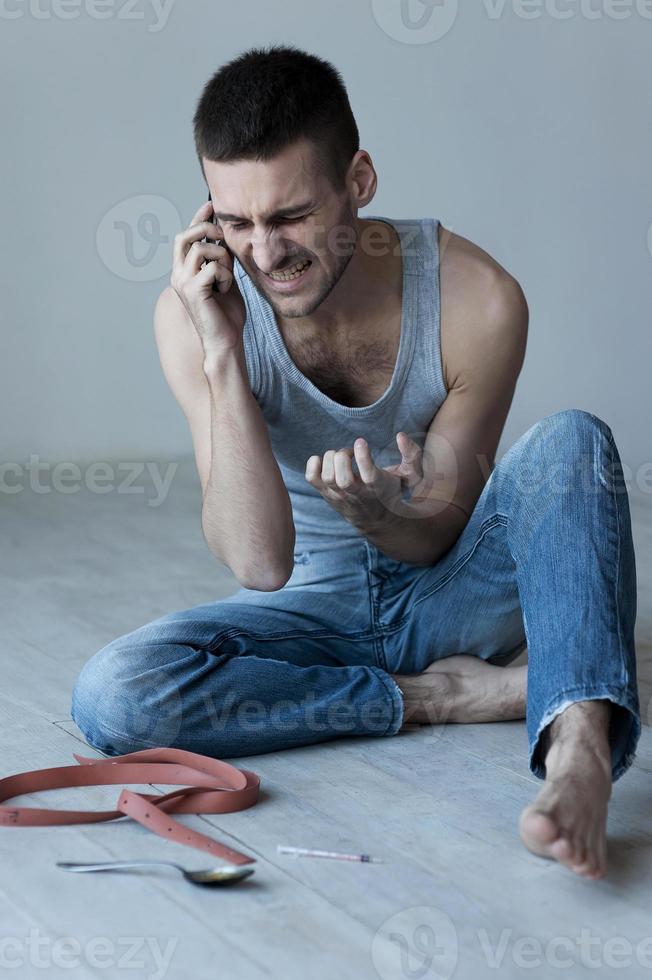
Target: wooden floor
(457,894)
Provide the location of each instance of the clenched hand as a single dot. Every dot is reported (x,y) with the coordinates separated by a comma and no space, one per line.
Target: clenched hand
(365,500)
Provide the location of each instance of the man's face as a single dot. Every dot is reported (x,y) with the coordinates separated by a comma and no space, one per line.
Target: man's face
(280,214)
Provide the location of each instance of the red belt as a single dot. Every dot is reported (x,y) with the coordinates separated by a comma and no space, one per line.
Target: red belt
(210,786)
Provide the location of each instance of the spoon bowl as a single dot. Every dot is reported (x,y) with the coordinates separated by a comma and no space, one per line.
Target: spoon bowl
(225,875)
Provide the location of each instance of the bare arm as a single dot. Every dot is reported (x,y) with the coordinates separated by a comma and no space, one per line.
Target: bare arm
(485,355)
(246,513)
(246,510)
(484,333)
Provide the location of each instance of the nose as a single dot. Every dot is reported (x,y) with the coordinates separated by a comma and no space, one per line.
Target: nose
(270,254)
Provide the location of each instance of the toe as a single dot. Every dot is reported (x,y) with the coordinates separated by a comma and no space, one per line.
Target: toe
(596,875)
(591,861)
(586,868)
(580,850)
(591,869)
(538,831)
(598,867)
(582,858)
(562,850)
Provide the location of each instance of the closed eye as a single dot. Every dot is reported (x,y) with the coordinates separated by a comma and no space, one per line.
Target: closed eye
(243,224)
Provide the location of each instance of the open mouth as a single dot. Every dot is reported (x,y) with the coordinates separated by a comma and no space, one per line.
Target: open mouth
(293,274)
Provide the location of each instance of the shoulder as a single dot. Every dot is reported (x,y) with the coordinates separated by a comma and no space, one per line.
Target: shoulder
(484,313)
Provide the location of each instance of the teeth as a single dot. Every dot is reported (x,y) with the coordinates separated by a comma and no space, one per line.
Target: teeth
(291,273)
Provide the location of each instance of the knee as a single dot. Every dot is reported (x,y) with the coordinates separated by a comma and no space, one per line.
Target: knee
(560,438)
(123,700)
(568,450)
(570,424)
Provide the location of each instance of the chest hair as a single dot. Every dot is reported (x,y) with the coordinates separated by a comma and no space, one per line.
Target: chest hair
(354,376)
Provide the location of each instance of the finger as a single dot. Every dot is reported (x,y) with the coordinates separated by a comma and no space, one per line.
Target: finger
(384,484)
(213,272)
(195,233)
(216,232)
(313,476)
(345,478)
(328,468)
(201,252)
(313,472)
(201,214)
(368,469)
(206,213)
(411,458)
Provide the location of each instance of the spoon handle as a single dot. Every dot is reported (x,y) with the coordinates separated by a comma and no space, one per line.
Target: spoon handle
(111,865)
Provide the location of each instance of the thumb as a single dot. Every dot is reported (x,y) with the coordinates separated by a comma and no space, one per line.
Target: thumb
(411,456)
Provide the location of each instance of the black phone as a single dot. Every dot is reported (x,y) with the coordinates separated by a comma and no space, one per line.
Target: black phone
(217,241)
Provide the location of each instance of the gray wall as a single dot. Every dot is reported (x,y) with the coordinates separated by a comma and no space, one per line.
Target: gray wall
(522,129)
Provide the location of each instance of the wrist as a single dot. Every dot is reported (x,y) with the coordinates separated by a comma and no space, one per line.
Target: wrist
(380,523)
(223,360)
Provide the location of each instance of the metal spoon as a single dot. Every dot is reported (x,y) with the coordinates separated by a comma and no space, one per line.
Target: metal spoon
(210,876)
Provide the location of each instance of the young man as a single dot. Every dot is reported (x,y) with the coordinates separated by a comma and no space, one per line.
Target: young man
(310,349)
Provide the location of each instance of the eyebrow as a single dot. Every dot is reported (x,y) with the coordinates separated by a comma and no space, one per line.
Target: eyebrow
(281,213)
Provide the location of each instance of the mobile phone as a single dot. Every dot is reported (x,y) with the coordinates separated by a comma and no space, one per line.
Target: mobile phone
(218,241)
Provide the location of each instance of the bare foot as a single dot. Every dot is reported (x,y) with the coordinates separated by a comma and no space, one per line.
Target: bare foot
(568,819)
(463,689)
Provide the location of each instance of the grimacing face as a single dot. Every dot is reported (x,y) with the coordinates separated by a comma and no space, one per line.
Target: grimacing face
(281,213)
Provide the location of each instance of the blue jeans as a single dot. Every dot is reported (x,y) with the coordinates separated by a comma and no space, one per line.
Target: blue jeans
(546,560)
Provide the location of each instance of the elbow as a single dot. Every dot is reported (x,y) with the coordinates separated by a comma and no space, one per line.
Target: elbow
(271,581)
(259,580)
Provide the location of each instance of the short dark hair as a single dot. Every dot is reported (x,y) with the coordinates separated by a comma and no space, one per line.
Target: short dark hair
(266,99)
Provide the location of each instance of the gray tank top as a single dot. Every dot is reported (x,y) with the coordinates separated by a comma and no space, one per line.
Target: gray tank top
(303,421)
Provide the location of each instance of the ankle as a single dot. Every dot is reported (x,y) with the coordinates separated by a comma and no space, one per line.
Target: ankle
(578,736)
(424,703)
